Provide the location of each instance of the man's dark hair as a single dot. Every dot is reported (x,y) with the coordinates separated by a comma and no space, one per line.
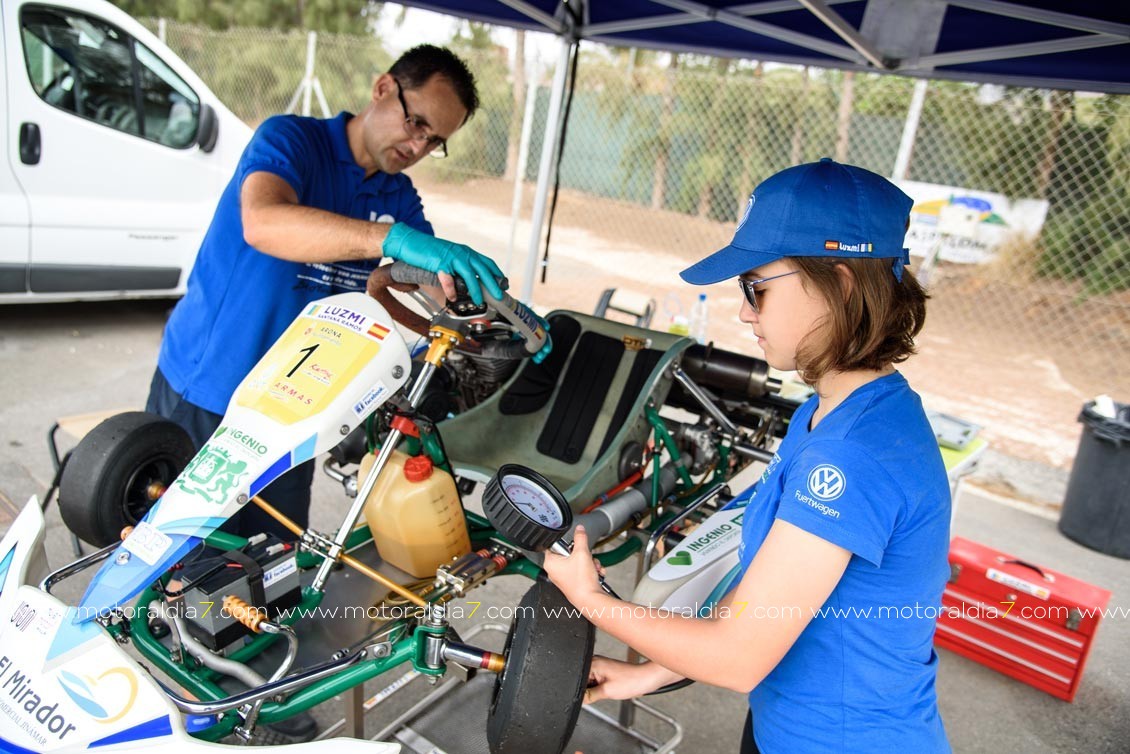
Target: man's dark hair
(416,67)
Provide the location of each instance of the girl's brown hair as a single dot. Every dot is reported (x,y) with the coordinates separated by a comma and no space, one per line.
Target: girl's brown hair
(872,317)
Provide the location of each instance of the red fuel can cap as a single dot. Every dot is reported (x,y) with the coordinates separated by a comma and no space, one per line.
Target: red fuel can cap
(417,468)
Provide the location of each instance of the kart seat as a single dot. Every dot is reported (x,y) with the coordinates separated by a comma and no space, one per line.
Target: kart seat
(573,416)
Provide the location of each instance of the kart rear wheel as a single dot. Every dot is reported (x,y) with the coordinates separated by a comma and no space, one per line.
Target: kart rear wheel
(538,696)
(116,473)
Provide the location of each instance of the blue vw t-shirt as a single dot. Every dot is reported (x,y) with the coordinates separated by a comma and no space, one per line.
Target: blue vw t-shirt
(870,479)
(239,300)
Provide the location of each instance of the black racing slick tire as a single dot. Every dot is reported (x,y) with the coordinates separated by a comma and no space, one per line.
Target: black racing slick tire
(115,474)
(538,695)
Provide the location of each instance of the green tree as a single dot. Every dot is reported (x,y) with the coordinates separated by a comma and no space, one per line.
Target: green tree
(783,126)
(989,146)
(635,92)
(1087,233)
(341,16)
(480,146)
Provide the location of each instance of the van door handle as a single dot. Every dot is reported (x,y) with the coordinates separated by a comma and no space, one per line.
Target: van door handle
(30,146)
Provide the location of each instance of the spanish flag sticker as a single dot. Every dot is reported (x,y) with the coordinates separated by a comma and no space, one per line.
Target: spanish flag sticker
(831,246)
(378,331)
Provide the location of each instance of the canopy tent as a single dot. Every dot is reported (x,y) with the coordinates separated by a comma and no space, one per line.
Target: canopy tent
(1059,44)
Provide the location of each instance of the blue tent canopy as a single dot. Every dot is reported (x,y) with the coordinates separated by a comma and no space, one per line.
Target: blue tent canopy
(1076,44)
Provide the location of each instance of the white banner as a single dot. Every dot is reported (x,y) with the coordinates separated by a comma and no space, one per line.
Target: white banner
(969,225)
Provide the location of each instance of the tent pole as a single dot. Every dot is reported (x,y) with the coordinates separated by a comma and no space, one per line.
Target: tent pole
(307,80)
(523,157)
(909,132)
(545,168)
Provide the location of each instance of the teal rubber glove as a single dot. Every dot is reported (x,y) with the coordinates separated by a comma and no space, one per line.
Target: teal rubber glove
(539,357)
(436,255)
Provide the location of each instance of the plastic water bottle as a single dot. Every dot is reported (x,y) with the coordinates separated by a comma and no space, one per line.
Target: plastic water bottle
(699,319)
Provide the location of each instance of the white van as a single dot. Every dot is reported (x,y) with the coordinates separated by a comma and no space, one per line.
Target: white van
(115,155)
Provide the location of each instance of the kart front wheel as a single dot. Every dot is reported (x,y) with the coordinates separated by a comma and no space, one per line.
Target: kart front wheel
(116,473)
(537,697)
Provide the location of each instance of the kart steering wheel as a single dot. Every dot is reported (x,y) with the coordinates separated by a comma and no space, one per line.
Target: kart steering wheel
(503,328)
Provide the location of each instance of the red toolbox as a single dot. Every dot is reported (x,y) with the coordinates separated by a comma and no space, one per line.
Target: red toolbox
(1018,618)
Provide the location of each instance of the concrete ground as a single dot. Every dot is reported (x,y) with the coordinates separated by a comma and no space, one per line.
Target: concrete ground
(73,359)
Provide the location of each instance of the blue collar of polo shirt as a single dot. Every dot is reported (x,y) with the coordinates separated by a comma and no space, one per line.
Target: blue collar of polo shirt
(339,138)
(378,182)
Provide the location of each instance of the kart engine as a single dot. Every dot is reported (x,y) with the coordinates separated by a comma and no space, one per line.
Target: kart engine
(477,377)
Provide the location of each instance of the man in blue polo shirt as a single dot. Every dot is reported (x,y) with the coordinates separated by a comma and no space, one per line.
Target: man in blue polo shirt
(313,206)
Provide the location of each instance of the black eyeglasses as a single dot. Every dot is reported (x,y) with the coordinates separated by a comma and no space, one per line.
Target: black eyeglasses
(417,129)
(752,293)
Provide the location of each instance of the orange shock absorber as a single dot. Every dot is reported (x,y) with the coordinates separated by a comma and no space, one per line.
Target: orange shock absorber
(244,613)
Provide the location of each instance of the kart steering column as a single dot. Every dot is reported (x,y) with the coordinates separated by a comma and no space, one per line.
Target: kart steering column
(443,340)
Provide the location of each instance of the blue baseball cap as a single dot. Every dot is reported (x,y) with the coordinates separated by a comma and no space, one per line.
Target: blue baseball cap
(820,209)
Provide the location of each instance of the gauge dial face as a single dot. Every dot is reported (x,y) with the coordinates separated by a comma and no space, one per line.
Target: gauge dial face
(533,501)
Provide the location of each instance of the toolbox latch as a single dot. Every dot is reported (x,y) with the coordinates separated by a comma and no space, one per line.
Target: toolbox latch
(955,571)
(1074,618)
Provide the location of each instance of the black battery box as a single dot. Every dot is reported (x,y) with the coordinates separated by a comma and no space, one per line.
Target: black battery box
(264,575)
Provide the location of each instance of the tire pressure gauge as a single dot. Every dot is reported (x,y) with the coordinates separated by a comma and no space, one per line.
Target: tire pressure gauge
(526,508)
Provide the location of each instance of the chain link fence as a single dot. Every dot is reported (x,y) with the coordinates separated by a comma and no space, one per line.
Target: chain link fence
(258,72)
(1021,225)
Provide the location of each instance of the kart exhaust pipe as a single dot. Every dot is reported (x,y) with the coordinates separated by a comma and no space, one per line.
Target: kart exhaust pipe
(617,512)
(730,374)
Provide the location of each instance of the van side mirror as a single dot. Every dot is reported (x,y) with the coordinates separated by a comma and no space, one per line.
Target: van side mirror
(208,128)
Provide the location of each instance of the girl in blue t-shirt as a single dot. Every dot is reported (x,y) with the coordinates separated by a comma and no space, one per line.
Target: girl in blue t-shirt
(830,626)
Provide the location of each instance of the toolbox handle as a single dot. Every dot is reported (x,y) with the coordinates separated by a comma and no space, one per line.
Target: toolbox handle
(1015,561)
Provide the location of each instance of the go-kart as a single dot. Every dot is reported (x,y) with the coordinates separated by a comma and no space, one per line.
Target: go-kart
(632,432)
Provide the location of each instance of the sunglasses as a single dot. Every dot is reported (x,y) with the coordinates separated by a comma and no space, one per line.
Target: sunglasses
(751,292)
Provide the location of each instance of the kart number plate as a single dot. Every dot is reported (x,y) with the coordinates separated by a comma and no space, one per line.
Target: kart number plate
(311,362)
(147,542)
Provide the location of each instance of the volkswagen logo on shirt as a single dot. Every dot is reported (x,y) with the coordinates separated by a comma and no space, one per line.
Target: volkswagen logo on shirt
(826,482)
